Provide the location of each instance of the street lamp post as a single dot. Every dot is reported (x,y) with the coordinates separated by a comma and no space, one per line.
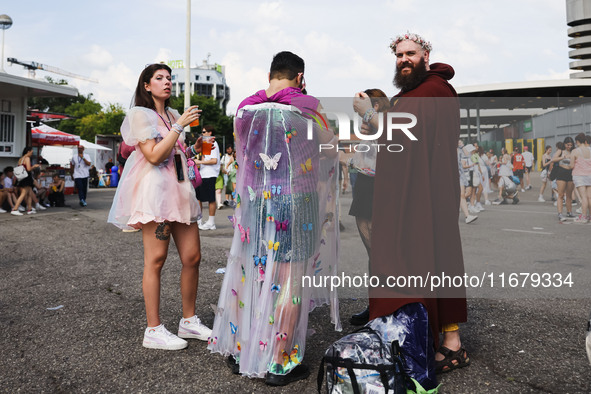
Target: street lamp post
(5,23)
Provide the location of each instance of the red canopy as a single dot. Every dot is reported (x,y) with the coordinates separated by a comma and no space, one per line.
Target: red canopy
(45,135)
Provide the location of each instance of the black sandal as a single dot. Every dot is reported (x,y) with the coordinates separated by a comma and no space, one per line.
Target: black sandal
(451,360)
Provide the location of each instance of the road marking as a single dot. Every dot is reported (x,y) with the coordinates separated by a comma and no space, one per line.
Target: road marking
(526,231)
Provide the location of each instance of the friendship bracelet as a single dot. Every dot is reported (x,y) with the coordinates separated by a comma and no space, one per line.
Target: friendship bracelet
(177,128)
(192,150)
(368,115)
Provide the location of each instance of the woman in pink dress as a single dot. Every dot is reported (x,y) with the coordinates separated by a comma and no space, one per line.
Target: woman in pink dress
(156,196)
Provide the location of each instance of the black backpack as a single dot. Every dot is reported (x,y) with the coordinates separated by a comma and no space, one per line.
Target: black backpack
(362,363)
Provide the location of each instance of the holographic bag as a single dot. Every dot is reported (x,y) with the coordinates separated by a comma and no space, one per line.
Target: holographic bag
(362,363)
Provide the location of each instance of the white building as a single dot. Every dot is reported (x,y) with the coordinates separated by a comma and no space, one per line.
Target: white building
(14,132)
(207,80)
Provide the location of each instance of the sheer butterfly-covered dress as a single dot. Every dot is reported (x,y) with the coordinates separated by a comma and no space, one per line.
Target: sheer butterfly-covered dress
(286,235)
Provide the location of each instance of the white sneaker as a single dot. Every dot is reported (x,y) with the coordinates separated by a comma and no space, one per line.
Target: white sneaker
(522,190)
(200,222)
(207,226)
(2,210)
(193,328)
(32,211)
(40,207)
(580,210)
(472,209)
(21,209)
(470,219)
(479,207)
(160,338)
(487,202)
(16,213)
(555,203)
(541,199)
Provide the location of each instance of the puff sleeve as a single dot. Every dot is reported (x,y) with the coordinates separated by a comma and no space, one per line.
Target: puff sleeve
(139,126)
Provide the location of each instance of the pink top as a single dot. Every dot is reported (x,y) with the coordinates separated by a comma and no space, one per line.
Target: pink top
(582,165)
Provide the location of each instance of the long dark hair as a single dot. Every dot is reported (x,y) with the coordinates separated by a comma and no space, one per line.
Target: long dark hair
(142,97)
(27,150)
(568,140)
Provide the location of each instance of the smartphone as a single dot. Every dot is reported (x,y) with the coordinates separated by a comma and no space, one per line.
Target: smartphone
(178,165)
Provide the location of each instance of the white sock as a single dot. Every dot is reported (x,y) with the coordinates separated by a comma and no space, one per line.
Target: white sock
(211,220)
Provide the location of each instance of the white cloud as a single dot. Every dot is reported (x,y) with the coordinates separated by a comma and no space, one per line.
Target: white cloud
(98,57)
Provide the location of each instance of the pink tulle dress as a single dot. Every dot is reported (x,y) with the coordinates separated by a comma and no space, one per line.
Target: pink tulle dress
(147,192)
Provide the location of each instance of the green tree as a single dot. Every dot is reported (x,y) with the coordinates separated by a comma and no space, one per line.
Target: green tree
(212,115)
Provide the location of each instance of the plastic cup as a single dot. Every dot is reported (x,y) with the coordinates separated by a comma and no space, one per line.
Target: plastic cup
(207,145)
(196,121)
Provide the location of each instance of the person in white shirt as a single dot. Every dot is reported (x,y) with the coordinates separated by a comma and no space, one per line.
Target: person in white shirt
(209,168)
(81,165)
(528,158)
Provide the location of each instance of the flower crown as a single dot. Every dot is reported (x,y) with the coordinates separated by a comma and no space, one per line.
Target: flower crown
(426,45)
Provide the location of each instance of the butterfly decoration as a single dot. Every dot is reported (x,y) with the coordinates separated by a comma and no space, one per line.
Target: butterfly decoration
(232,220)
(271,319)
(285,358)
(237,200)
(331,172)
(238,346)
(307,226)
(275,245)
(281,225)
(236,165)
(233,328)
(270,218)
(233,194)
(243,274)
(271,163)
(281,336)
(322,241)
(256,132)
(260,260)
(262,346)
(289,134)
(296,300)
(275,288)
(276,189)
(240,304)
(317,271)
(251,193)
(258,164)
(266,194)
(234,293)
(261,277)
(244,234)
(213,340)
(307,198)
(293,356)
(307,166)
(216,310)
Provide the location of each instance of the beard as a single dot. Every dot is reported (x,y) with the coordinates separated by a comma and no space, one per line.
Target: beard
(406,82)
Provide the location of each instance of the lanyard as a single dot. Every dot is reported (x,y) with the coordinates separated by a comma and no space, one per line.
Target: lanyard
(163,121)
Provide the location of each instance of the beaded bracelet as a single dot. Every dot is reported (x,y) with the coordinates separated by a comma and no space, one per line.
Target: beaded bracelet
(177,128)
(368,115)
(192,151)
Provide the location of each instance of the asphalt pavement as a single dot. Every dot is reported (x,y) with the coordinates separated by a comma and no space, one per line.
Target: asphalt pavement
(72,313)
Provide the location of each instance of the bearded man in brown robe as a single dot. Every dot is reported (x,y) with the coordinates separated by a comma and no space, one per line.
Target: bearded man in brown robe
(416,198)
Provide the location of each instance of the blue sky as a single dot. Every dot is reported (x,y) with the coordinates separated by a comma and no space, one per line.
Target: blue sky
(344,43)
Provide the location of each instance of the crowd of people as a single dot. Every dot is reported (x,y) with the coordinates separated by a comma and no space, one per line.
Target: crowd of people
(568,171)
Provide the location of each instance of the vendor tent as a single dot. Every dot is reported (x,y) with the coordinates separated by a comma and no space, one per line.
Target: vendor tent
(45,135)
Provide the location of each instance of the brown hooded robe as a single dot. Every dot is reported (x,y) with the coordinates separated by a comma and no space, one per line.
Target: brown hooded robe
(416,201)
